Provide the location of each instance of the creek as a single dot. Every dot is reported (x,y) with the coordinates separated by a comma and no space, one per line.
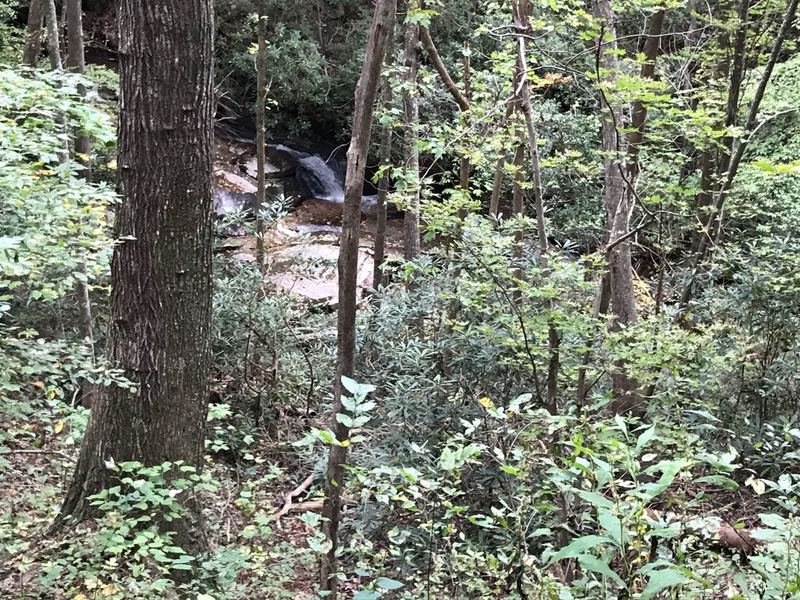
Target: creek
(302,248)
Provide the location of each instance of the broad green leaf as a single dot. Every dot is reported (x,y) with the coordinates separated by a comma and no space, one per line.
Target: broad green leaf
(595,499)
(661,579)
(645,439)
(613,526)
(579,546)
(388,584)
(720,480)
(594,564)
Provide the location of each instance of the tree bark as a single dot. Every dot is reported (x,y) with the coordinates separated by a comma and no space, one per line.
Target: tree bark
(384,183)
(161,270)
(411,117)
(76,63)
(261,137)
(461,99)
(639,110)
(53,41)
(499,167)
(618,201)
(366,91)
(73,11)
(33,33)
(713,175)
(521,21)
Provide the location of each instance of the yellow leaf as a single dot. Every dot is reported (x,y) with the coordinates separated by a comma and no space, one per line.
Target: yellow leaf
(109,590)
(38,384)
(80,597)
(112,165)
(486,402)
(58,427)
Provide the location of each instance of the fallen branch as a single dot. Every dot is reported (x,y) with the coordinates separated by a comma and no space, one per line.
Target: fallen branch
(289,506)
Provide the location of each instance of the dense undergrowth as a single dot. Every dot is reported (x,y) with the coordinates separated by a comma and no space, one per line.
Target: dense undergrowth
(461,483)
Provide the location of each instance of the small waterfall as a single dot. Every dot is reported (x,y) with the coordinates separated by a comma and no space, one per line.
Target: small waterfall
(317,178)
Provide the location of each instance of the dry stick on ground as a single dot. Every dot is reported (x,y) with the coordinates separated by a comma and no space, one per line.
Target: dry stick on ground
(366,91)
(288,504)
(715,220)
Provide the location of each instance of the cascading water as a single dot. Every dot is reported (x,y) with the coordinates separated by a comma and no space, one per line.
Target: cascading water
(316,177)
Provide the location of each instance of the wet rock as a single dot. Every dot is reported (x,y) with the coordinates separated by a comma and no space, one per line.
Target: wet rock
(234,183)
(310,271)
(227,202)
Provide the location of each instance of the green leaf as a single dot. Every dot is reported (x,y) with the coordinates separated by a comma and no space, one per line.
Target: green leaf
(594,564)
(595,499)
(613,526)
(662,579)
(645,439)
(388,584)
(720,480)
(579,546)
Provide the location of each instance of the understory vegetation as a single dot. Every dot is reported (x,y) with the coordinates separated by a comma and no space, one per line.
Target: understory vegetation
(488,457)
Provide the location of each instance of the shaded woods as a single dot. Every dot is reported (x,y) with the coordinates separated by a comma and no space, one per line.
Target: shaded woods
(399,299)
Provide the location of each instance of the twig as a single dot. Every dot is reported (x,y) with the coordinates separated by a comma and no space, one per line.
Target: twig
(289,505)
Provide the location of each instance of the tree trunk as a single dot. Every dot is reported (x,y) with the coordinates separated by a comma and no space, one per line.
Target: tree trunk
(739,146)
(499,167)
(618,201)
(462,99)
(73,13)
(76,63)
(261,137)
(639,110)
(735,67)
(521,21)
(161,270)
(366,91)
(53,41)
(411,117)
(383,185)
(33,33)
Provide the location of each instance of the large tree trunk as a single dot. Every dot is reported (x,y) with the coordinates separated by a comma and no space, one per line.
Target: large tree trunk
(33,33)
(161,271)
(411,117)
(366,91)
(618,201)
